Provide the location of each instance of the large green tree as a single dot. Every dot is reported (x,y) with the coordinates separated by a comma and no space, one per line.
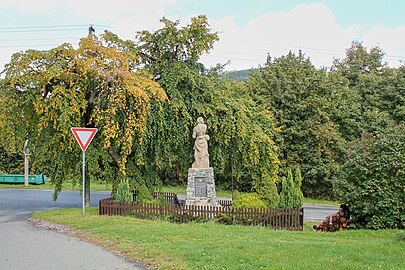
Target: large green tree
(242,135)
(372,180)
(45,93)
(311,108)
(111,84)
(378,88)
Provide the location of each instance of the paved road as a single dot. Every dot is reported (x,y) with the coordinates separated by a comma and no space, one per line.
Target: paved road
(23,246)
(318,212)
(17,204)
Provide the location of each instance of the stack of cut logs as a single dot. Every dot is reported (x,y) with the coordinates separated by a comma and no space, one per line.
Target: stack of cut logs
(336,222)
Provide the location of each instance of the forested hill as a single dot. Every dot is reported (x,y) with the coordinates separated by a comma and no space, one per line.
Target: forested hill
(239,75)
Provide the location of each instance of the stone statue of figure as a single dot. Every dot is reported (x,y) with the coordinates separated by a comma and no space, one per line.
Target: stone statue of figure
(201,155)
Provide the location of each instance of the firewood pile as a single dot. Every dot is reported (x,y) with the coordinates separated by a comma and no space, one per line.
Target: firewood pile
(336,222)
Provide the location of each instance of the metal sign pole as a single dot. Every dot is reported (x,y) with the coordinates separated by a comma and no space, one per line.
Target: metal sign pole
(84,179)
(84,136)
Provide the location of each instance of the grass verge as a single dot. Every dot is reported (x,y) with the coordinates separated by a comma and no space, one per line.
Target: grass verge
(320,201)
(212,246)
(96,186)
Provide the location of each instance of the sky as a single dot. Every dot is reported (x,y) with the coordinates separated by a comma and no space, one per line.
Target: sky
(249,30)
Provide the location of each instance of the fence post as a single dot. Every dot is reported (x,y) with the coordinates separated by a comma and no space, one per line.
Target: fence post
(302,219)
(99,207)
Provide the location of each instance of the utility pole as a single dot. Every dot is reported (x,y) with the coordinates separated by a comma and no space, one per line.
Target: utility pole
(26,164)
(86,180)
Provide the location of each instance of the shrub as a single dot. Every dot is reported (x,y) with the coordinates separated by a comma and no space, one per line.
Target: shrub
(161,200)
(286,195)
(268,193)
(298,197)
(123,194)
(185,217)
(223,219)
(249,200)
(144,195)
(372,182)
(235,194)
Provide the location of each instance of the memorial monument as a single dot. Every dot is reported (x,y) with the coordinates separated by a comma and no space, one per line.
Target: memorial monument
(200,181)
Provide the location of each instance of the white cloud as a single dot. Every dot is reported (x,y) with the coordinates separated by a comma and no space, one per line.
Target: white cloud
(390,40)
(125,17)
(102,9)
(312,28)
(29,5)
(94,9)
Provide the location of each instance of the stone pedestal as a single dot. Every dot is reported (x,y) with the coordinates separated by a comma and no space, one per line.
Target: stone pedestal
(201,187)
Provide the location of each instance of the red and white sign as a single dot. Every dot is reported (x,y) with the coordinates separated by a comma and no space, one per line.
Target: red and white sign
(84,136)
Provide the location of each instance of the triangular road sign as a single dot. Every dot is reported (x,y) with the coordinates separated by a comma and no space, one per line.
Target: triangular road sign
(84,136)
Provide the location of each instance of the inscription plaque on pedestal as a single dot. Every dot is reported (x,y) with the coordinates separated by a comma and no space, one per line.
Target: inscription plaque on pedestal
(200,187)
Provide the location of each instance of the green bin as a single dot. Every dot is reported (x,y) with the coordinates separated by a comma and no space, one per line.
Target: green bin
(38,179)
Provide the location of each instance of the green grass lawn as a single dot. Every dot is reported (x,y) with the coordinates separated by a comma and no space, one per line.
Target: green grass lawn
(96,186)
(212,246)
(30,186)
(320,201)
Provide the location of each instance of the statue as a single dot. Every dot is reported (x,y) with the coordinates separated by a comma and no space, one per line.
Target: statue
(201,156)
(200,180)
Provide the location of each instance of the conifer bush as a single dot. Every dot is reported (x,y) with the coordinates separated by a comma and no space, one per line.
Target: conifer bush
(268,193)
(286,195)
(291,195)
(298,197)
(144,195)
(123,194)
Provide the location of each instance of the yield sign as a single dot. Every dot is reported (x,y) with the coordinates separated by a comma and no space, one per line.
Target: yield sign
(84,136)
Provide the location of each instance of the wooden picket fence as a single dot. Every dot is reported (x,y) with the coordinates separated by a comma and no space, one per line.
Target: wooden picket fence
(289,219)
(225,203)
(170,197)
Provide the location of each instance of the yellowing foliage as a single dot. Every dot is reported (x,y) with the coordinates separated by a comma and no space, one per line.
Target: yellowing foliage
(95,85)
